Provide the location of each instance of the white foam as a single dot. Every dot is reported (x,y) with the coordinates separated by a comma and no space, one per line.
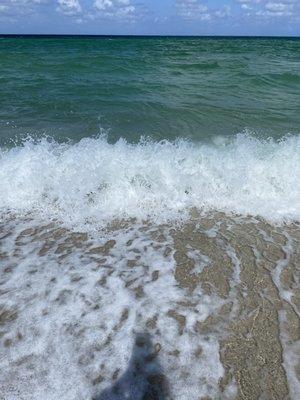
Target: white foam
(93,182)
(291,355)
(72,329)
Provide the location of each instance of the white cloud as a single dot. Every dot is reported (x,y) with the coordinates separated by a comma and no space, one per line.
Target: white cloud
(192,10)
(246,7)
(69,7)
(13,8)
(117,9)
(103,4)
(137,11)
(269,8)
(27,2)
(278,7)
(16,8)
(81,10)
(223,12)
(196,10)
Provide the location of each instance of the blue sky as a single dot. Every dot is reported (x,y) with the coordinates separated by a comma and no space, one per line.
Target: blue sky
(177,17)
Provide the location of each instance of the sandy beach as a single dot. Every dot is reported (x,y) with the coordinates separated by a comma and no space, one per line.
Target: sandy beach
(215,303)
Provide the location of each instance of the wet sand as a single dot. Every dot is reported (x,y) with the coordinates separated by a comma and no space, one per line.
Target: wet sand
(231,331)
(264,323)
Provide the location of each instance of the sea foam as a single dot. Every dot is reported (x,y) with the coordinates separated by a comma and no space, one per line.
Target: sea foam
(93,182)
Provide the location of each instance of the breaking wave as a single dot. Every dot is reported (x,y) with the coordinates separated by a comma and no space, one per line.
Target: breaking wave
(94,182)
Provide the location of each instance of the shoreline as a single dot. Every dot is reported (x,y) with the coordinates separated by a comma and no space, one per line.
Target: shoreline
(218,295)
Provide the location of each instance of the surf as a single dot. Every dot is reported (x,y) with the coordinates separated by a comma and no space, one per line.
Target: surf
(93,182)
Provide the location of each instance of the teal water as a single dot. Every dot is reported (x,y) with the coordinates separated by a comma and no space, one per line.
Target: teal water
(160,87)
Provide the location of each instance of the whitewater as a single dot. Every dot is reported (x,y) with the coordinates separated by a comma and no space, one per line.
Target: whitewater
(89,184)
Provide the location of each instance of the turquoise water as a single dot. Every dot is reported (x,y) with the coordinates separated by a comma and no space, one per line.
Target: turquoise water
(160,87)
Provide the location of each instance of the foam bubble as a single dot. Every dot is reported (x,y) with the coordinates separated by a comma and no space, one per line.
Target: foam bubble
(93,182)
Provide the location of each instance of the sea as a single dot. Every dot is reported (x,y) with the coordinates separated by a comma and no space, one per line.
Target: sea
(149,218)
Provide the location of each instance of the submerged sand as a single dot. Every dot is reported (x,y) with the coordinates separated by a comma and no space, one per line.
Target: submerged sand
(217,299)
(266,322)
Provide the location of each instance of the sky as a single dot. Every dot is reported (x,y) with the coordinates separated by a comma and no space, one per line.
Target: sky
(151,17)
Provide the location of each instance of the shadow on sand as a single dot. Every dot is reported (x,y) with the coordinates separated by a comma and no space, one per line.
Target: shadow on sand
(143,379)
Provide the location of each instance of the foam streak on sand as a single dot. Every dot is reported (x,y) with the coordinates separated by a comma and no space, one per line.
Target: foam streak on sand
(211,295)
(93,182)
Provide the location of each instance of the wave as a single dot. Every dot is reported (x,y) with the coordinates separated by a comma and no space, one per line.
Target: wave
(94,182)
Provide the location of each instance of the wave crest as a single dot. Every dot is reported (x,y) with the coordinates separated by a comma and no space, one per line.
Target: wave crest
(94,182)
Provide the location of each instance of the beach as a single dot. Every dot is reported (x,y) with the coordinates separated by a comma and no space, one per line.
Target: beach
(219,296)
(149,219)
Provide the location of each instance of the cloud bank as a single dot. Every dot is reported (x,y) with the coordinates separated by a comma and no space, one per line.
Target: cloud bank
(147,15)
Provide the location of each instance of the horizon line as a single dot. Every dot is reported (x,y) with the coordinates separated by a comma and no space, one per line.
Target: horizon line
(141,35)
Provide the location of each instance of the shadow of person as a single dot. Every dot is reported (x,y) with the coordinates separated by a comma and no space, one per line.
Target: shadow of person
(143,379)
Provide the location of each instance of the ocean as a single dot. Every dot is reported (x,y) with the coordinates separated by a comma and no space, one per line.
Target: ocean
(149,218)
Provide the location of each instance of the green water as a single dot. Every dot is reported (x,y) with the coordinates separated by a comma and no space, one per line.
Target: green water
(158,87)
